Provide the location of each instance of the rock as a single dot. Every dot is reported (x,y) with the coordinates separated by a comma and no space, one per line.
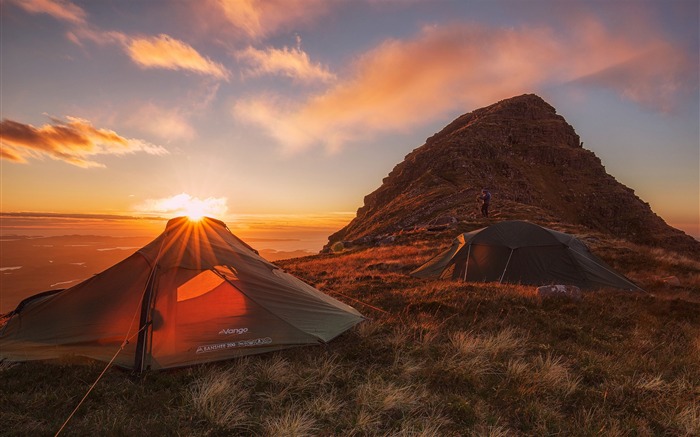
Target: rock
(387,240)
(438,228)
(442,221)
(566,291)
(337,246)
(367,239)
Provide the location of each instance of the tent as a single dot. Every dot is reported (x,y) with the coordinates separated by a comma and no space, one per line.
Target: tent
(195,294)
(523,253)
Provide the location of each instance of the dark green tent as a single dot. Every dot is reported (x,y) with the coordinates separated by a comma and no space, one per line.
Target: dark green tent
(523,253)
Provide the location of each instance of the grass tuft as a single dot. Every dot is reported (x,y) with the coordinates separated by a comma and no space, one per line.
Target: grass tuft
(688,420)
(221,398)
(292,423)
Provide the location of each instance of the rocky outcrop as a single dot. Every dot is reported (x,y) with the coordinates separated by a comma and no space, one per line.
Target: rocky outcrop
(535,166)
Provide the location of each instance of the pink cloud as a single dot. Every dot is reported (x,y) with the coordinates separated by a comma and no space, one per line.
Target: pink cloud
(165,123)
(73,142)
(166,52)
(59,9)
(641,65)
(293,63)
(401,84)
(260,18)
(162,51)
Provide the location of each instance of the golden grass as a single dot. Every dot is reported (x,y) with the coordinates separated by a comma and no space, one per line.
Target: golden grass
(326,405)
(551,374)
(383,396)
(292,423)
(221,397)
(687,420)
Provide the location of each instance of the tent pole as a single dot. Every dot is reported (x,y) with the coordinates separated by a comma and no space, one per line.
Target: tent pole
(506,267)
(466,264)
(144,320)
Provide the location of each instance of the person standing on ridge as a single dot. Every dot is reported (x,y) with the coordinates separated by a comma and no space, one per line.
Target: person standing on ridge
(485,200)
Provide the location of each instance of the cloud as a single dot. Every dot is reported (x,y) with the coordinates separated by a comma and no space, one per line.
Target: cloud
(293,63)
(10,155)
(260,18)
(87,33)
(72,142)
(401,84)
(165,123)
(166,52)
(645,68)
(162,51)
(59,9)
(184,204)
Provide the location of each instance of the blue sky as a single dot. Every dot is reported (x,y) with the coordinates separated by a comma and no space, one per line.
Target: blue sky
(299,108)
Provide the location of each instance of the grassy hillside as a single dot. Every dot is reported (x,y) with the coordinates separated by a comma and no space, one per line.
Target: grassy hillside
(435,358)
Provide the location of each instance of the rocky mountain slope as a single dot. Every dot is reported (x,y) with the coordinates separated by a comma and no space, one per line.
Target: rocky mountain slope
(534,164)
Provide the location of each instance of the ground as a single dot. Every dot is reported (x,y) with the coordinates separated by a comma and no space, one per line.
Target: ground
(433,358)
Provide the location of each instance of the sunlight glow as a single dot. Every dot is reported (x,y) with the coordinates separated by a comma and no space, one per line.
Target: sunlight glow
(185,205)
(195,211)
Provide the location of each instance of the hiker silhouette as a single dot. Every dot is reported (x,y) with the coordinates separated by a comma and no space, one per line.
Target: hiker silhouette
(485,198)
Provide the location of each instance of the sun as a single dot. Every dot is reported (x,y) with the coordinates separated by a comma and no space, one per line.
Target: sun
(194,212)
(183,204)
(195,209)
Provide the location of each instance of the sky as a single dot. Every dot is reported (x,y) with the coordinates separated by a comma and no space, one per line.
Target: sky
(291,111)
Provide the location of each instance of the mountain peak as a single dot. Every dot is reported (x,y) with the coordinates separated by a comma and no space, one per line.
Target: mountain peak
(533,162)
(507,119)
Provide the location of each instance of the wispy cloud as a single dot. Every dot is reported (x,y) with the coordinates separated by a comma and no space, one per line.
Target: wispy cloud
(162,51)
(73,142)
(289,62)
(184,204)
(165,123)
(166,52)
(461,66)
(59,9)
(260,18)
(644,67)
(151,52)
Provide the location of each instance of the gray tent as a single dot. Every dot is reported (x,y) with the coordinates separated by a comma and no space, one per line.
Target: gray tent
(523,253)
(196,294)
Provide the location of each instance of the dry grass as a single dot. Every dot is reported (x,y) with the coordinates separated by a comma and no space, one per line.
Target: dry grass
(440,358)
(552,375)
(687,420)
(222,399)
(292,423)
